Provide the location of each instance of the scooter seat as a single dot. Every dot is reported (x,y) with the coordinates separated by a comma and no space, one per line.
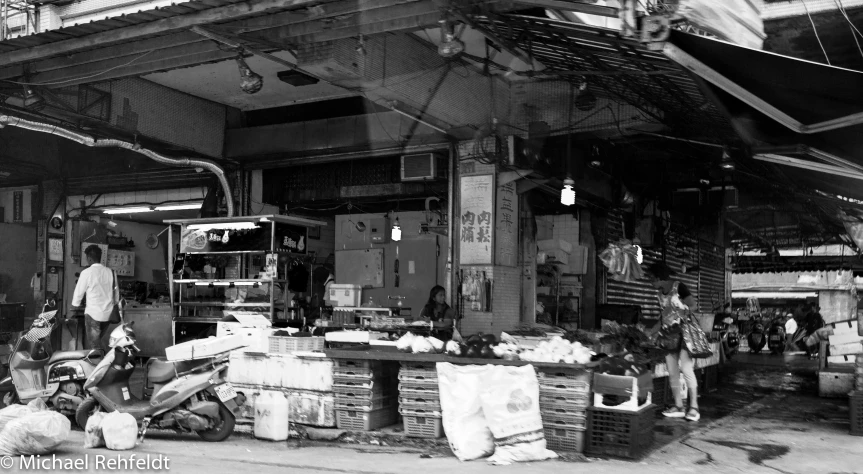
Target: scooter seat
(74,355)
(161,371)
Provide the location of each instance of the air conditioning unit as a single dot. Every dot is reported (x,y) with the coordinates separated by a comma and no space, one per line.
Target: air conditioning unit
(423,167)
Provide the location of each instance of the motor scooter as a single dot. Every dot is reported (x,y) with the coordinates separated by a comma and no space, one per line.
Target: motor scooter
(756,338)
(189,396)
(730,341)
(36,371)
(776,337)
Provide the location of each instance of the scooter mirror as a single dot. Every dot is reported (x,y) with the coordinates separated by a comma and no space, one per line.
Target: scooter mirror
(51,303)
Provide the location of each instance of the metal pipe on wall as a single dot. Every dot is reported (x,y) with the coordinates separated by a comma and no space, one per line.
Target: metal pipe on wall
(450,260)
(88,140)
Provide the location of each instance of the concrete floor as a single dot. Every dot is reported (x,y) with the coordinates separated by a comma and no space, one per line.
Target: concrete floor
(765,418)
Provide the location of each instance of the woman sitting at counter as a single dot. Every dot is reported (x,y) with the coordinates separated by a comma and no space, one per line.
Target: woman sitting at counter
(437,310)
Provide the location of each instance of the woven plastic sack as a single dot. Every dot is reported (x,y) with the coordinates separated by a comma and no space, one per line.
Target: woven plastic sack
(93,437)
(463,420)
(36,433)
(120,431)
(510,403)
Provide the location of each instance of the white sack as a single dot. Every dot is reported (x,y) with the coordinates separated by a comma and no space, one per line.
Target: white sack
(510,403)
(463,421)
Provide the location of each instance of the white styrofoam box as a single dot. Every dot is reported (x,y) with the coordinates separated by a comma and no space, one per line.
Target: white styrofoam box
(354,336)
(203,348)
(551,245)
(281,371)
(305,407)
(345,295)
(846,349)
(254,327)
(835,384)
(845,327)
(847,338)
(842,359)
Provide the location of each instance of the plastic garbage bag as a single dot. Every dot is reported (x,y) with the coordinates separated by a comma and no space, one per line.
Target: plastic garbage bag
(13,412)
(463,420)
(37,404)
(93,437)
(35,433)
(510,403)
(120,431)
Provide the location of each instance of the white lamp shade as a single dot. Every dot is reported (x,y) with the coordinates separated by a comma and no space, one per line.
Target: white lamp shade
(397,233)
(567,196)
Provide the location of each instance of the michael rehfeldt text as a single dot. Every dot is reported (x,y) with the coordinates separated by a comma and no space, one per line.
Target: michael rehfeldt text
(97,462)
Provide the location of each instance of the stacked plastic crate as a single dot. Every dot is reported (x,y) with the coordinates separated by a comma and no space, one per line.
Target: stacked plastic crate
(366,394)
(564,396)
(419,400)
(624,429)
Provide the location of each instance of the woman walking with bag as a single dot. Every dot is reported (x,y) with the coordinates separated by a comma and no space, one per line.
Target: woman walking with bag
(676,303)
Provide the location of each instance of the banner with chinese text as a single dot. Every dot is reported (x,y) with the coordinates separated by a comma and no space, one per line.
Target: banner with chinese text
(476,223)
(506,219)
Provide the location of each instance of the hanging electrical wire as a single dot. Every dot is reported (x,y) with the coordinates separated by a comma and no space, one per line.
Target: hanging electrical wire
(854,30)
(815,29)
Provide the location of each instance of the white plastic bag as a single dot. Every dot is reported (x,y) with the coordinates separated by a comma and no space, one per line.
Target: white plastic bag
(120,431)
(510,403)
(463,421)
(93,437)
(35,433)
(13,412)
(37,404)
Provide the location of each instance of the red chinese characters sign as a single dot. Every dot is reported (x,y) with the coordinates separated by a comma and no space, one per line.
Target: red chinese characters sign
(506,245)
(476,222)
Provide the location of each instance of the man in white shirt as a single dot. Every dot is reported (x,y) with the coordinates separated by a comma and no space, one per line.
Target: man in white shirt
(97,283)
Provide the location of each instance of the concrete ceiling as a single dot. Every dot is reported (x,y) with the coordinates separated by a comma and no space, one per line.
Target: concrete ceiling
(220,82)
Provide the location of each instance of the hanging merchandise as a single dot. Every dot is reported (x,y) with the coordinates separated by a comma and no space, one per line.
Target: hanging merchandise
(621,259)
(298,277)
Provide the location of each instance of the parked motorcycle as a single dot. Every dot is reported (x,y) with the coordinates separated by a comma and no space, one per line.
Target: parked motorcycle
(756,338)
(189,396)
(728,335)
(776,337)
(36,371)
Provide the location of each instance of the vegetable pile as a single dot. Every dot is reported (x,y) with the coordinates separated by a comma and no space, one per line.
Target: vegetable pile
(419,345)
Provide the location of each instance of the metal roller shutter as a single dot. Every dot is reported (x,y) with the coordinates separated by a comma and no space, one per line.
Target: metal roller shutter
(707,283)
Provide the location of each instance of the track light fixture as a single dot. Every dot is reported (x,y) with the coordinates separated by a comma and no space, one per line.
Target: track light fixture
(250,81)
(567,194)
(397,231)
(450,46)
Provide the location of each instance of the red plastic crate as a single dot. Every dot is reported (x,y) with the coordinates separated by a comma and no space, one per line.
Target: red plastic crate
(577,420)
(623,434)
(564,438)
(662,391)
(855,401)
(355,420)
(364,404)
(418,365)
(423,426)
(563,408)
(419,376)
(571,398)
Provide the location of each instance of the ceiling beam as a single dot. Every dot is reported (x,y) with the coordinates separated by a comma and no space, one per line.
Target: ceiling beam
(572,6)
(808,165)
(158,27)
(382,20)
(318,12)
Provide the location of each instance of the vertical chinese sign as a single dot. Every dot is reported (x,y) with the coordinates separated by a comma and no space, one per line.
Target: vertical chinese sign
(506,239)
(476,223)
(18,206)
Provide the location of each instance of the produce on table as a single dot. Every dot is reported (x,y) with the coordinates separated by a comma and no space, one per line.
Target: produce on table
(621,365)
(558,350)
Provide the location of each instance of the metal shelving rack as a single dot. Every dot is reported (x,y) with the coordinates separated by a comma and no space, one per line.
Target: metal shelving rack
(268,231)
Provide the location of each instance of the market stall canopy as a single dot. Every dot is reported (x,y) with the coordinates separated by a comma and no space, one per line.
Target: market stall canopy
(800,114)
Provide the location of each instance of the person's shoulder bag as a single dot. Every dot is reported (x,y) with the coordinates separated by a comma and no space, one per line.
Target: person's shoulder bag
(694,339)
(115,310)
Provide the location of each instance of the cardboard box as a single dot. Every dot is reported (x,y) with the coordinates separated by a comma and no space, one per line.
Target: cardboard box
(835,383)
(848,338)
(846,349)
(839,360)
(552,245)
(203,348)
(845,327)
(255,328)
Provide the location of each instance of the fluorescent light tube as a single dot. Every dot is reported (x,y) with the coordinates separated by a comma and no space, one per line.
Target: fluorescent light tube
(126,210)
(179,207)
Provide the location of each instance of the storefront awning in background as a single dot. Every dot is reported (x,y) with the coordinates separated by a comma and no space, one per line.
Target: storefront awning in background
(778,295)
(805,116)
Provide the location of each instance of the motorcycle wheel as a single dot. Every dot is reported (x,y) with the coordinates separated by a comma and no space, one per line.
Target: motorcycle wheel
(223,429)
(85,410)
